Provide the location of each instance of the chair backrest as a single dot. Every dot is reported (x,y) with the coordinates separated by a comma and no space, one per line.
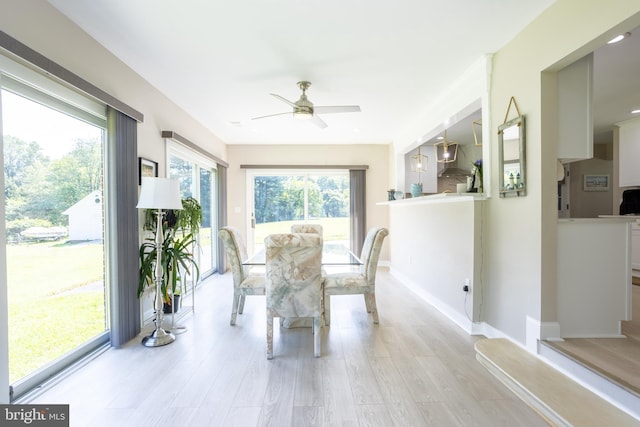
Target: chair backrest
(236,252)
(371,252)
(307,228)
(294,274)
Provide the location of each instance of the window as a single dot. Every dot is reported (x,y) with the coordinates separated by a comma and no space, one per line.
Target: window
(283,198)
(54,163)
(198,180)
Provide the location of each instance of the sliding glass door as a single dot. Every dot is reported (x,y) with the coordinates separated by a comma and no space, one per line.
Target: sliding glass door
(197,179)
(54,222)
(281,198)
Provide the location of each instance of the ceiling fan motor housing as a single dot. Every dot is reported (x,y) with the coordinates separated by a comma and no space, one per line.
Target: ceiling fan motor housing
(303,106)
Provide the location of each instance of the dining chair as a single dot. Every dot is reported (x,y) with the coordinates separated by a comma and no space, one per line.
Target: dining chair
(294,281)
(244,282)
(307,228)
(360,282)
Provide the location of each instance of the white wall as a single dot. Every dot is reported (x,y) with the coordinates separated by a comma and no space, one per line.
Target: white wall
(437,249)
(376,156)
(523,231)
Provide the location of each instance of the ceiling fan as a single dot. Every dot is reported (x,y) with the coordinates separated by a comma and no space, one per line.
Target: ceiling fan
(303,109)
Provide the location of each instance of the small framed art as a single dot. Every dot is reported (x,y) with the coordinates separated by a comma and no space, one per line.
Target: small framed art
(596,183)
(146,168)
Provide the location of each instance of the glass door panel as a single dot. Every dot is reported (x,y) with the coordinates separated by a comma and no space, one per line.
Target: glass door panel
(198,181)
(281,200)
(207,249)
(182,170)
(53,165)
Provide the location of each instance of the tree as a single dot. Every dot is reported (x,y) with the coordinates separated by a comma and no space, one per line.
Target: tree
(266,190)
(69,179)
(20,160)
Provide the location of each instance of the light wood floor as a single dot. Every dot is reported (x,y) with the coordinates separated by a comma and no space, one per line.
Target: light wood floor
(615,358)
(416,368)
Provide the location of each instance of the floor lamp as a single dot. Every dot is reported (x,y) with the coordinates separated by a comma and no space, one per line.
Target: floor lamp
(159,193)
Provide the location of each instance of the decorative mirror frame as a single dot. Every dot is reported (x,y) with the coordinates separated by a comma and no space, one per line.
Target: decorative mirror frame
(515,187)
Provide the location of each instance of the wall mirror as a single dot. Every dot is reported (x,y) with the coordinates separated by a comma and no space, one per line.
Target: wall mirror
(511,147)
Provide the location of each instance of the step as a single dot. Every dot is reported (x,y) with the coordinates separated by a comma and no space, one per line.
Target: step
(556,397)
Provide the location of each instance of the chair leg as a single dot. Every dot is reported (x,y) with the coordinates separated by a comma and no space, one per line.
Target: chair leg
(372,305)
(269,336)
(234,309)
(316,336)
(241,304)
(367,302)
(327,310)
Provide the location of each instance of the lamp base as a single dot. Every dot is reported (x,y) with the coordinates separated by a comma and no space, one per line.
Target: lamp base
(158,338)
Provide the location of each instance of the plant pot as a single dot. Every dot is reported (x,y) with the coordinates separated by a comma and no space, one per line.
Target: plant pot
(166,308)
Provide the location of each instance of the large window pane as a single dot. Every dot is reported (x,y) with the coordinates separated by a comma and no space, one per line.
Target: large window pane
(53,166)
(280,200)
(205,237)
(197,180)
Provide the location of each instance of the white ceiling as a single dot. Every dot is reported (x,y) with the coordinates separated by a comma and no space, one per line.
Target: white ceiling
(219,60)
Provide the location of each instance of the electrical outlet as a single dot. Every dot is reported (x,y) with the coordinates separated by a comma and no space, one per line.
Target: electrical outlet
(467,285)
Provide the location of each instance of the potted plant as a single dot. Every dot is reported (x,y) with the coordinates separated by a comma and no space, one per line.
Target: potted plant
(180,230)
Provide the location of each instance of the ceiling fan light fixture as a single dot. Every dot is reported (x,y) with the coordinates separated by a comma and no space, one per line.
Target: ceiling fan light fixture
(636,111)
(303,109)
(302,115)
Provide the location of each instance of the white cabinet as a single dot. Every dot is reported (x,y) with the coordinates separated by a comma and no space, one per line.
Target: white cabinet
(629,153)
(575,117)
(594,290)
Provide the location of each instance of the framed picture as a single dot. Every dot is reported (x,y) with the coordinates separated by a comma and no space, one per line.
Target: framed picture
(596,182)
(146,168)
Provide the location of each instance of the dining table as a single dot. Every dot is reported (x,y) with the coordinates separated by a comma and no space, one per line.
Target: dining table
(334,254)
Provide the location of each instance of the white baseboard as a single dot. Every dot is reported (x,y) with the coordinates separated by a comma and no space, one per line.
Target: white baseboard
(537,330)
(456,317)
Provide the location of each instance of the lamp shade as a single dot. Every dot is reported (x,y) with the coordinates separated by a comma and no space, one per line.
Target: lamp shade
(159,193)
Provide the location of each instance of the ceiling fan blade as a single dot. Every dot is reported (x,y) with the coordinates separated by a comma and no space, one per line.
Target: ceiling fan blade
(284,100)
(271,115)
(337,109)
(318,122)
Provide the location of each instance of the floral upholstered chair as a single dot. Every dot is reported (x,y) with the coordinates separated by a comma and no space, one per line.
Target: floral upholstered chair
(307,228)
(362,282)
(294,281)
(244,283)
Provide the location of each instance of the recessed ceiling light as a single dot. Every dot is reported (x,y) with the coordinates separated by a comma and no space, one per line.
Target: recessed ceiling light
(618,38)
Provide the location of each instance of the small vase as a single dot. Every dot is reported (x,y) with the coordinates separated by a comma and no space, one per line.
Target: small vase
(416,189)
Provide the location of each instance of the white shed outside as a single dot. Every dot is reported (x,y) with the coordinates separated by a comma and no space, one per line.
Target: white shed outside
(85,218)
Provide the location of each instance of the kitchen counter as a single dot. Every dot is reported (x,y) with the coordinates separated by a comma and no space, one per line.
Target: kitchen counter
(436,198)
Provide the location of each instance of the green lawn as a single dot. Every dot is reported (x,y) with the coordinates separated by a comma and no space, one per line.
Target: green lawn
(50,310)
